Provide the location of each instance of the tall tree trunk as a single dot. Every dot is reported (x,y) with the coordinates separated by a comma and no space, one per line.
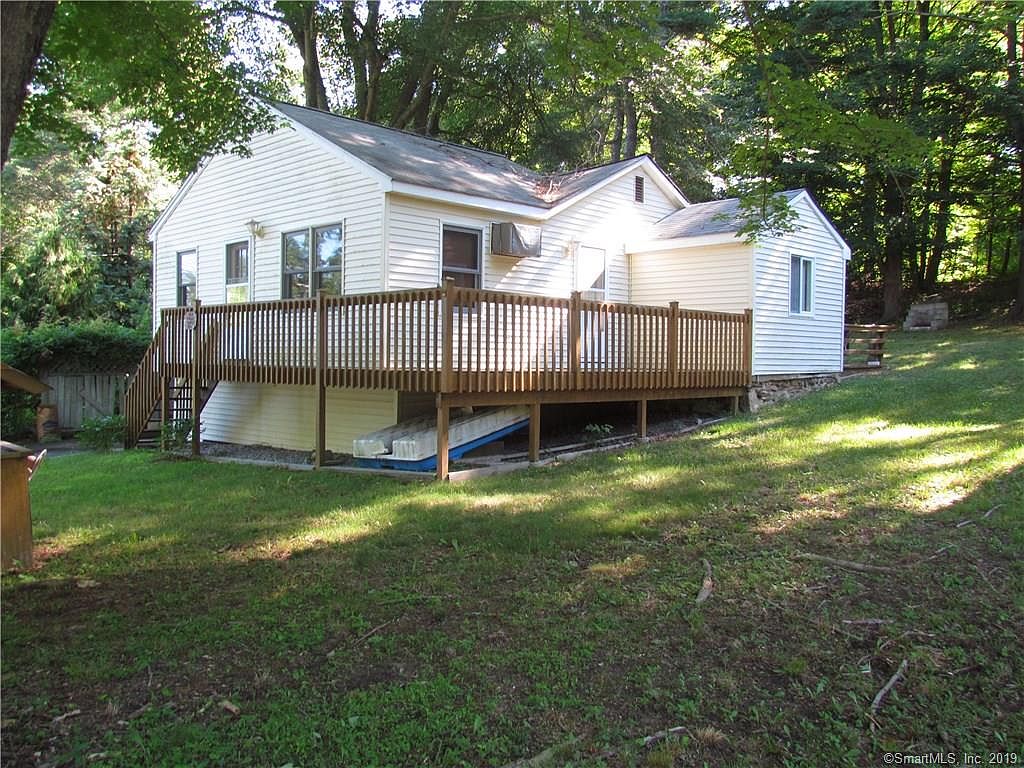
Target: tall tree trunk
(25,25)
(362,47)
(922,234)
(629,106)
(620,115)
(894,212)
(869,215)
(300,18)
(941,237)
(1016,119)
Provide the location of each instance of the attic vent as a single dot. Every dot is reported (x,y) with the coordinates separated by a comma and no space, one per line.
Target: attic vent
(519,240)
(638,188)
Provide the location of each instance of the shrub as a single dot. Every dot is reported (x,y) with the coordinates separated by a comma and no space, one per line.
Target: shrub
(91,345)
(101,433)
(174,435)
(17,414)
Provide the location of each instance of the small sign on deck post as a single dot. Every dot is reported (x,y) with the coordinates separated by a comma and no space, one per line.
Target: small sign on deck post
(190,319)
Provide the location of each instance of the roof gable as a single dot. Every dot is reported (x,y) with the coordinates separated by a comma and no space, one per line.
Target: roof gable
(420,166)
(724,217)
(414,162)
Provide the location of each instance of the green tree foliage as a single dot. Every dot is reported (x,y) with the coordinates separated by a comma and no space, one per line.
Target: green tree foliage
(74,228)
(887,111)
(167,63)
(904,117)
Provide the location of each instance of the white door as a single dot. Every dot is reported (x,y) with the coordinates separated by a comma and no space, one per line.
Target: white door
(591,269)
(591,282)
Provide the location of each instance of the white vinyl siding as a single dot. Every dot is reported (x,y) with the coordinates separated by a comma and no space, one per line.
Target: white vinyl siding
(716,278)
(284,416)
(788,342)
(288,183)
(606,219)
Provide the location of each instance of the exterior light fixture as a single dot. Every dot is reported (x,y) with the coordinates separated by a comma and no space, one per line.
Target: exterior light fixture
(254,227)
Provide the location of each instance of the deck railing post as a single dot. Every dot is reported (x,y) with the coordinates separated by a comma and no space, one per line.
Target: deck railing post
(673,344)
(575,326)
(748,346)
(320,446)
(194,382)
(447,334)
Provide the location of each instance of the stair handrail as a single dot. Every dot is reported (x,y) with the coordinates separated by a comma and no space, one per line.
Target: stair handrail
(143,391)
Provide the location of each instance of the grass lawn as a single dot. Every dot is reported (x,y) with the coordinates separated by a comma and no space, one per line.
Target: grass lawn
(357,621)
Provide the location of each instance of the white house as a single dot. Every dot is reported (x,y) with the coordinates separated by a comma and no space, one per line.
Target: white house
(327,203)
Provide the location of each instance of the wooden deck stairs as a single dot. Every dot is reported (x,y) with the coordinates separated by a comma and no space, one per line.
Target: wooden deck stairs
(179,409)
(153,404)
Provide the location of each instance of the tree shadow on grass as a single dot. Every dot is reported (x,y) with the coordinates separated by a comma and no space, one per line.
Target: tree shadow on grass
(362,621)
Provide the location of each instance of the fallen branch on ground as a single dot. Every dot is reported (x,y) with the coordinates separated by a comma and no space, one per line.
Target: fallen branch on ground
(877,702)
(847,564)
(547,757)
(644,741)
(867,621)
(968,521)
(708,586)
(374,631)
(654,738)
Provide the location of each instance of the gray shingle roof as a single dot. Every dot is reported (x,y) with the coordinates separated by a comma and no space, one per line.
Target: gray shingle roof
(717,217)
(414,159)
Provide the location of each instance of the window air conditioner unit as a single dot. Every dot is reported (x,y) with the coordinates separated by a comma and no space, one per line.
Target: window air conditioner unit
(519,240)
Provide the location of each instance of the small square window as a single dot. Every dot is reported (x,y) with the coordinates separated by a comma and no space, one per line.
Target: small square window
(801,285)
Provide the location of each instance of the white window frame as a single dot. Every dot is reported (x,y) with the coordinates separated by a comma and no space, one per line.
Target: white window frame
(465,228)
(248,242)
(805,304)
(312,272)
(177,276)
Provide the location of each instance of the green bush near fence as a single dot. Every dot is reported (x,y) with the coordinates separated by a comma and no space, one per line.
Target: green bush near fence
(102,433)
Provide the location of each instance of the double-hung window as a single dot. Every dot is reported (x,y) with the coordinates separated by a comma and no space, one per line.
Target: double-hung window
(237,272)
(801,285)
(188,266)
(460,256)
(311,261)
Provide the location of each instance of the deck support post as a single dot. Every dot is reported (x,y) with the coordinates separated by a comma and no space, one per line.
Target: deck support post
(641,418)
(748,346)
(442,437)
(735,404)
(194,377)
(320,444)
(534,450)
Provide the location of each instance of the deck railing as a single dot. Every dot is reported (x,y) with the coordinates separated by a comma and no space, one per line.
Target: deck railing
(460,340)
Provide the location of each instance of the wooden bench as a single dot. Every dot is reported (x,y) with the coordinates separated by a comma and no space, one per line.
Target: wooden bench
(864,346)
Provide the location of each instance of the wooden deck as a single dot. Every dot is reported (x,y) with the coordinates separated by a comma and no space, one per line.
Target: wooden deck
(466,346)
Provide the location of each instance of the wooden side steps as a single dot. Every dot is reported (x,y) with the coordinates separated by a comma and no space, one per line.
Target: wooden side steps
(179,408)
(147,406)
